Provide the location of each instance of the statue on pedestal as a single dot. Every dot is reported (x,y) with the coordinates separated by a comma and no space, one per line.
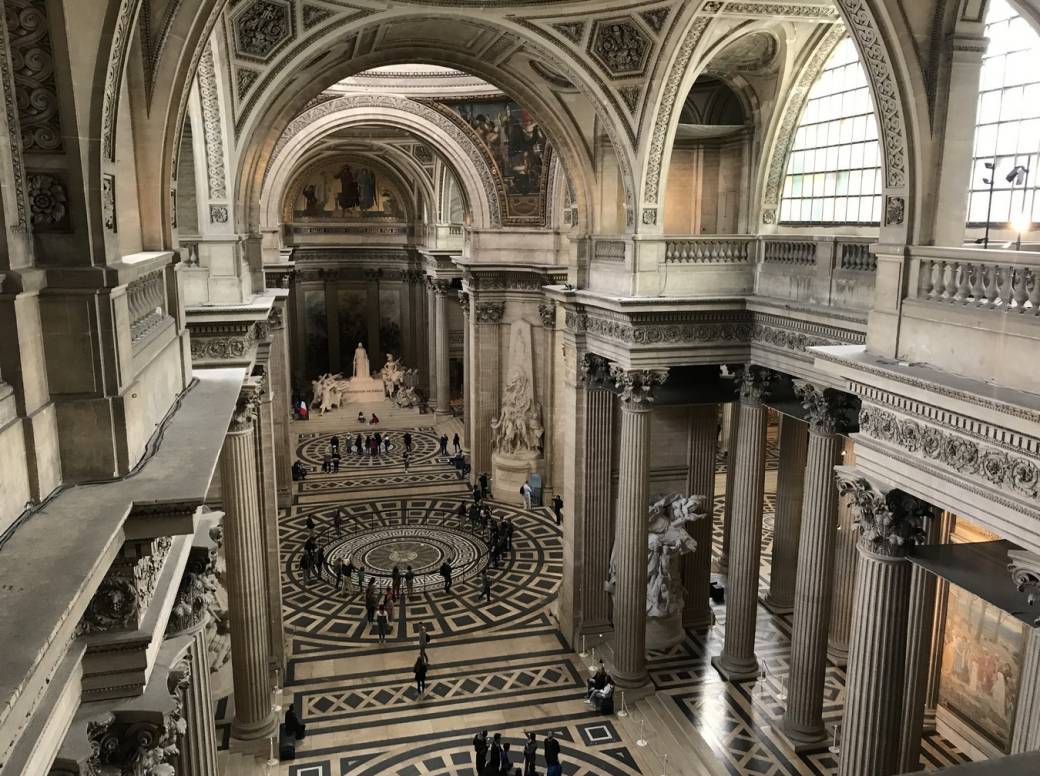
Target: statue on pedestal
(361,367)
(393,376)
(408,393)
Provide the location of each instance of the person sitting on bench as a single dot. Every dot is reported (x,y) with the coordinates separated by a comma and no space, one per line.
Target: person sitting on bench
(603,699)
(597,682)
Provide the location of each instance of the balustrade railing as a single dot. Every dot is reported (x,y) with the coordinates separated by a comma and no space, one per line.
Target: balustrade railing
(791,252)
(1003,281)
(856,256)
(609,251)
(146,300)
(709,250)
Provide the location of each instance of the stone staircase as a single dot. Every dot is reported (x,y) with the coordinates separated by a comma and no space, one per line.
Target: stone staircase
(667,732)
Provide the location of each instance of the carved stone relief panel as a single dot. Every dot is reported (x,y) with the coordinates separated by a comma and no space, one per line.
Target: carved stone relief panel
(33,63)
(263,28)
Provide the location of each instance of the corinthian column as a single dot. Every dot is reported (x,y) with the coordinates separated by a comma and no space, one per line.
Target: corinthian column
(738,660)
(443,405)
(727,509)
(467,345)
(828,411)
(431,340)
(486,318)
(888,523)
(787,520)
(631,539)
(701,446)
(244,549)
(845,559)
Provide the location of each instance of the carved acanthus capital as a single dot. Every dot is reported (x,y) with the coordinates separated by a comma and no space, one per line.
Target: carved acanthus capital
(372,275)
(464,302)
(142,747)
(636,387)
(754,383)
(441,287)
(197,594)
(490,312)
(547,312)
(277,319)
(245,411)
(889,521)
(1025,573)
(123,595)
(594,372)
(827,411)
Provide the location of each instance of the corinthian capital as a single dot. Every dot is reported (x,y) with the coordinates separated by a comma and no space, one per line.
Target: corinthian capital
(594,372)
(245,411)
(464,302)
(754,383)
(636,387)
(827,411)
(490,312)
(889,521)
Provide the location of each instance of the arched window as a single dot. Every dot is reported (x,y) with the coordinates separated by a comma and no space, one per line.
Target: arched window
(1007,126)
(834,170)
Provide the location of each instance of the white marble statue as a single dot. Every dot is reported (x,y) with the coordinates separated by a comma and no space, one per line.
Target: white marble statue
(326,392)
(668,539)
(393,376)
(408,393)
(361,367)
(518,429)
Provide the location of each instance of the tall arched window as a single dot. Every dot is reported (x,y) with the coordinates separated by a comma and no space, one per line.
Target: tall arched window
(1007,126)
(834,170)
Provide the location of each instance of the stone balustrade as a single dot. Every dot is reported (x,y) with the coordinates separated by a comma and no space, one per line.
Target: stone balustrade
(716,249)
(798,252)
(1001,281)
(146,300)
(855,255)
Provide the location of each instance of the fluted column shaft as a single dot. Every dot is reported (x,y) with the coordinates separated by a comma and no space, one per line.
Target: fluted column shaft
(244,552)
(845,560)
(1026,735)
(738,660)
(702,444)
(787,520)
(877,654)
(727,510)
(803,718)
(198,756)
(431,342)
(443,391)
(599,426)
(630,547)
(467,357)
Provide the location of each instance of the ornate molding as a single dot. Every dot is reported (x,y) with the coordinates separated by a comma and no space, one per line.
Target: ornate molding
(547,312)
(114,75)
(636,387)
(32,55)
(125,592)
(489,312)
(620,47)
(827,411)
(48,201)
(507,280)
(888,521)
(212,126)
(1024,567)
(754,384)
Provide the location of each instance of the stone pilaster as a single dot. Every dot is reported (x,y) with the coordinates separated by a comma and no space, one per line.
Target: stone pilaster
(1025,572)
(888,523)
(244,553)
(280,386)
(467,356)
(727,509)
(597,522)
(487,317)
(738,660)
(443,404)
(827,413)
(701,446)
(636,389)
(374,318)
(267,479)
(787,521)
(431,341)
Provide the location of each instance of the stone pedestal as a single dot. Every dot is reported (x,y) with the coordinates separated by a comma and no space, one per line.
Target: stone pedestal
(509,472)
(702,444)
(738,660)
(787,520)
(631,542)
(244,553)
(664,632)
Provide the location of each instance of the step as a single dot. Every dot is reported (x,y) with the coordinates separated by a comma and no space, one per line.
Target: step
(241,764)
(688,754)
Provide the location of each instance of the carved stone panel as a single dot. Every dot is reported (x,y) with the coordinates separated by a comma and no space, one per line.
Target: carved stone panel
(263,28)
(620,46)
(33,62)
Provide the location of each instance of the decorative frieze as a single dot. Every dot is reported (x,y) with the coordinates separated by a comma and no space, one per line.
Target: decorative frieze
(888,521)
(636,387)
(125,592)
(507,281)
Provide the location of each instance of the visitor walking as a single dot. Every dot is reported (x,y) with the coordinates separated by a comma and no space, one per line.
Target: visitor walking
(409,582)
(485,491)
(486,586)
(480,749)
(305,568)
(395,577)
(407,457)
(382,623)
(388,601)
(446,573)
(371,600)
(508,531)
(408,441)
(456,443)
(361,578)
(557,506)
(552,755)
(420,668)
(348,574)
(444,444)
(530,754)
(337,521)
(424,641)
(525,491)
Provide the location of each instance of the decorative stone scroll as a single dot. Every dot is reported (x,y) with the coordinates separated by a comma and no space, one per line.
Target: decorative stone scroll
(888,521)
(636,387)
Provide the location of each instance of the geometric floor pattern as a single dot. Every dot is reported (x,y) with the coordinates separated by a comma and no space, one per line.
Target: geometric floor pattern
(501,665)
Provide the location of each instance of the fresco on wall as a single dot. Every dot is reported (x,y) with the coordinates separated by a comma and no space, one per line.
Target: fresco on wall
(347,190)
(517,144)
(981,664)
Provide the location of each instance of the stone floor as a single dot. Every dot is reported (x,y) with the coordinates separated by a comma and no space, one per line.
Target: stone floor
(502,665)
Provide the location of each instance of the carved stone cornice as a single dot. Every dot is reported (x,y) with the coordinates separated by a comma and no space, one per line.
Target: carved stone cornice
(196,595)
(889,521)
(124,594)
(594,373)
(1024,567)
(489,312)
(754,383)
(547,312)
(827,411)
(508,280)
(636,387)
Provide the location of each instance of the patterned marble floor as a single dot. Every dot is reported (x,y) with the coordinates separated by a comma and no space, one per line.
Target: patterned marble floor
(502,666)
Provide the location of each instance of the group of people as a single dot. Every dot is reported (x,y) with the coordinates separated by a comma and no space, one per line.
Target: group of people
(492,756)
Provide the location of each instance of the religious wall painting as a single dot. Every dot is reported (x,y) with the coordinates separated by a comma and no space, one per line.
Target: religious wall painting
(352,310)
(347,189)
(316,328)
(516,143)
(389,322)
(982,656)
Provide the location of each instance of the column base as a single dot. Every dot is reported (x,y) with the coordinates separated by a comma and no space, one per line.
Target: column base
(838,655)
(804,741)
(698,621)
(260,730)
(733,670)
(634,685)
(774,606)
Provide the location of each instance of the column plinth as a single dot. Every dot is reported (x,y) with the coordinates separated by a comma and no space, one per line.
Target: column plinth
(738,660)
(787,520)
(631,540)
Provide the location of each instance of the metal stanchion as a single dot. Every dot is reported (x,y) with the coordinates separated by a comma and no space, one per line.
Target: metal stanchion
(624,711)
(584,652)
(642,734)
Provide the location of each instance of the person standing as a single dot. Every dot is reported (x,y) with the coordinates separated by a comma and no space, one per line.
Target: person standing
(552,755)
(407,458)
(334,443)
(485,491)
(409,582)
(525,491)
(337,521)
(557,506)
(456,443)
(357,444)
(420,669)
(446,573)
(462,513)
(305,568)
(388,601)
(382,623)
(444,444)
(508,531)
(408,441)
(480,749)
(361,578)
(505,766)
(486,586)
(371,600)
(494,764)
(530,754)
(476,495)
(395,577)
(424,641)
(339,576)
(348,573)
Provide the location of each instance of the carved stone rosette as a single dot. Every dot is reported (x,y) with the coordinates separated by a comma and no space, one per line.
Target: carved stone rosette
(636,387)
(889,522)
(827,411)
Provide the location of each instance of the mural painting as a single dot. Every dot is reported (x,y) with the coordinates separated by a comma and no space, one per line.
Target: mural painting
(981,664)
(347,190)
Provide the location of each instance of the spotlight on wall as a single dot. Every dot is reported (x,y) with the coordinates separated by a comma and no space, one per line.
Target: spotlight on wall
(1017,176)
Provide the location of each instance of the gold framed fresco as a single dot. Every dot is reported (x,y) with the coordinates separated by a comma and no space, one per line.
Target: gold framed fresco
(982,655)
